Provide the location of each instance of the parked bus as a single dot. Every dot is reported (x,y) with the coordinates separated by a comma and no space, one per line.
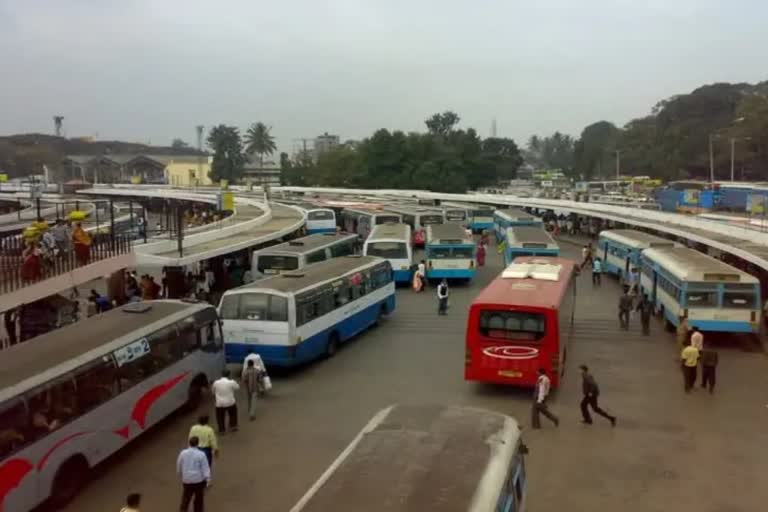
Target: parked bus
(480,218)
(72,397)
(456,214)
(297,254)
(450,252)
(620,249)
(419,219)
(528,241)
(362,220)
(521,322)
(299,316)
(319,219)
(503,219)
(712,295)
(412,458)
(393,243)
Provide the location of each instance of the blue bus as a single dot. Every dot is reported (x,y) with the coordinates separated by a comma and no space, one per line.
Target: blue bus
(393,243)
(620,249)
(480,218)
(528,241)
(450,252)
(710,294)
(503,219)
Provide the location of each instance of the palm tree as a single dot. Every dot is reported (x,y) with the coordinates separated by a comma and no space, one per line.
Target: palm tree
(259,141)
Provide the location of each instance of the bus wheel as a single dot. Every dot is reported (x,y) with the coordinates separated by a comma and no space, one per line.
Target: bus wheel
(333,344)
(195,394)
(70,479)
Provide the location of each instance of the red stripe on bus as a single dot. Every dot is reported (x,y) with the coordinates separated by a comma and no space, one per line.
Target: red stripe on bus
(123,432)
(12,472)
(56,445)
(141,409)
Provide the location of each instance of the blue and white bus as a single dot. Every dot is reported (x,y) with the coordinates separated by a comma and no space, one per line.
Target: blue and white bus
(362,220)
(528,241)
(419,218)
(450,252)
(503,219)
(319,219)
(297,254)
(302,315)
(418,458)
(456,214)
(620,249)
(480,218)
(393,243)
(712,295)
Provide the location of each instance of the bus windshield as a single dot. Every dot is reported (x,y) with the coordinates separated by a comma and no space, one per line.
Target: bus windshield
(431,219)
(454,215)
(482,213)
(389,250)
(320,215)
(383,219)
(440,253)
(254,306)
(512,325)
(272,264)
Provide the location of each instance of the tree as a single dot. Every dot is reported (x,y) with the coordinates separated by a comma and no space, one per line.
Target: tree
(597,140)
(228,158)
(179,144)
(259,141)
(442,124)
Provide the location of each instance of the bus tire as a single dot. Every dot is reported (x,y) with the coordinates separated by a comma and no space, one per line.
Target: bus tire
(333,344)
(195,393)
(69,481)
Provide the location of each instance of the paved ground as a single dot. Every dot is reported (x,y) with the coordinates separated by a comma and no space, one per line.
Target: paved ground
(670,451)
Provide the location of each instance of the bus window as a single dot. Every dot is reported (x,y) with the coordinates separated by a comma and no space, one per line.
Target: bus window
(267,263)
(439,253)
(696,299)
(278,309)
(253,306)
(512,325)
(316,256)
(229,307)
(13,431)
(431,219)
(343,249)
(388,250)
(189,336)
(320,215)
(50,408)
(462,252)
(96,383)
(164,349)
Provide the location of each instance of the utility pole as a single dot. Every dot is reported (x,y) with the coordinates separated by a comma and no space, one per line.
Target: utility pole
(57,122)
(199,129)
(733,156)
(711,158)
(618,164)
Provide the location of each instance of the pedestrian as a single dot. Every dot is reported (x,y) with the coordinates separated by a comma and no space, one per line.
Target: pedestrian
(697,339)
(421,276)
(586,255)
(226,405)
(625,306)
(251,376)
(132,503)
(645,307)
(597,270)
(591,393)
(10,319)
(192,467)
(82,241)
(689,359)
(442,297)
(481,254)
(709,360)
(682,332)
(206,437)
(540,395)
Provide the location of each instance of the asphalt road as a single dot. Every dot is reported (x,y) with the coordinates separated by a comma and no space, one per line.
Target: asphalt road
(669,451)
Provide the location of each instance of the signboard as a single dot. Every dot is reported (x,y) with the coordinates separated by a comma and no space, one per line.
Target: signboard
(756,204)
(226,201)
(131,352)
(224,184)
(691,196)
(135,180)
(3,178)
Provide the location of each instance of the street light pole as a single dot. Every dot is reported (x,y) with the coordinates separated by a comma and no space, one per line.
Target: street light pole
(618,164)
(733,156)
(711,159)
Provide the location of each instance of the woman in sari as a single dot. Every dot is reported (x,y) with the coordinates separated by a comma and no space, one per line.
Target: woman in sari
(82,242)
(31,263)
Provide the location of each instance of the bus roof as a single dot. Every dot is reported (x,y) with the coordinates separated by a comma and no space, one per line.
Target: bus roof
(412,458)
(367,209)
(527,291)
(310,275)
(390,231)
(415,210)
(307,243)
(447,234)
(637,239)
(45,353)
(521,235)
(691,265)
(514,214)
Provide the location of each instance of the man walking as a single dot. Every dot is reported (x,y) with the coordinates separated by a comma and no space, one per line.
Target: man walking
(207,441)
(645,307)
(597,270)
(625,305)
(690,359)
(442,297)
(709,360)
(226,405)
(540,395)
(251,377)
(192,467)
(591,393)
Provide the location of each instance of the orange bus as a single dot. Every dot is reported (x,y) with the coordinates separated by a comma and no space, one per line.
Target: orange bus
(521,322)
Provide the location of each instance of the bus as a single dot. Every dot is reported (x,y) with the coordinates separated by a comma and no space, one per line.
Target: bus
(456,215)
(450,252)
(412,458)
(620,249)
(319,219)
(393,243)
(302,315)
(297,254)
(74,396)
(528,241)
(521,322)
(480,218)
(362,220)
(710,294)
(419,219)
(503,219)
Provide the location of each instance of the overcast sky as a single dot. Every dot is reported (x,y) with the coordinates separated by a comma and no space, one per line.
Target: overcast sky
(143,70)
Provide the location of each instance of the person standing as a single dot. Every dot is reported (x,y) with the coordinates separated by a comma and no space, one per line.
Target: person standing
(226,404)
(586,255)
(591,393)
(709,360)
(597,270)
(132,503)
(207,441)
(540,395)
(251,376)
(645,307)
(442,297)
(192,467)
(82,241)
(682,332)
(697,339)
(690,360)
(481,254)
(625,305)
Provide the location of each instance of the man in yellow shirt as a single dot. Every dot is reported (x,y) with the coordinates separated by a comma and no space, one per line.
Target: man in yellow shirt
(207,438)
(690,360)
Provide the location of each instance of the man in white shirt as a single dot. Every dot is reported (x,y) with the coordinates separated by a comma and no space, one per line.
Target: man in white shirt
(226,404)
(697,339)
(540,395)
(195,473)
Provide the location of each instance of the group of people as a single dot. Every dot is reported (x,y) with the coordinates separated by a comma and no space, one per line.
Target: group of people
(44,244)
(693,355)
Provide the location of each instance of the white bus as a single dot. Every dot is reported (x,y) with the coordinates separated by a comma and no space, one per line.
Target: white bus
(299,316)
(528,241)
(512,217)
(450,252)
(319,219)
(72,397)
(297,254)
(419,219)
(459,215)
(426,458)
(620,249)
(712,295)
(393,243)
(362,220)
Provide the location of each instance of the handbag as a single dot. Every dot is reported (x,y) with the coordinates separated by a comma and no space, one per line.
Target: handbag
(267,383)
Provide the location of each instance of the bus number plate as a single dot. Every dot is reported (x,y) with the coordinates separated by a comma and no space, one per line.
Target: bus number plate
(131,352)
(510,373)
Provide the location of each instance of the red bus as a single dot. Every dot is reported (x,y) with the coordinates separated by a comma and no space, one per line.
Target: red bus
(521,322)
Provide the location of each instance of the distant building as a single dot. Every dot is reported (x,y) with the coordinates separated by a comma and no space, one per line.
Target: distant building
(178,170)
(324,143)
(257,174)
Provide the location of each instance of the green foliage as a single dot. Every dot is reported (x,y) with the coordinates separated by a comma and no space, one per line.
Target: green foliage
(179,144)
(552,152)
(258,141)
(442,124)
(591,150)
(228,158)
